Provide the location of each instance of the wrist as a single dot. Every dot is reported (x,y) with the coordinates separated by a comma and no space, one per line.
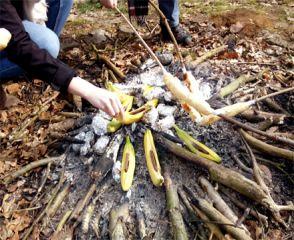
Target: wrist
(81,87)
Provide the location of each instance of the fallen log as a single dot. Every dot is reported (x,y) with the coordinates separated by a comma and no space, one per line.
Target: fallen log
(207,55)
(227,177)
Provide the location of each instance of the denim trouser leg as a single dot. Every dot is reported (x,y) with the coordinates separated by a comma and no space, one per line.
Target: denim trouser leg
(171,10)
(58,12)
(44,37)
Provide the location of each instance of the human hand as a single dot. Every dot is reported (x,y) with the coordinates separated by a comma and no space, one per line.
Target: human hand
(109,3)
(98,97)
(106,101)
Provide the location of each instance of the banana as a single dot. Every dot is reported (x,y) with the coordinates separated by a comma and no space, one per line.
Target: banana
(137,114)
(113,125)
(128,165)
(122,96)
(197,147)
(152,159)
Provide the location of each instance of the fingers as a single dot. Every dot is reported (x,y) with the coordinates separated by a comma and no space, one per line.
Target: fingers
(115,106)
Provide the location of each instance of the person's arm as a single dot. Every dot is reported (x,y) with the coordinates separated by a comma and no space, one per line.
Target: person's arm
(109,3)
(38,63)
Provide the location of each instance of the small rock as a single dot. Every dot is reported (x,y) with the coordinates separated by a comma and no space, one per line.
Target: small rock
(165,124)
(101,144)
(99,125)
(165,110)
(237,27)
(99,36)
(116,171)
(165,58)
(151,117)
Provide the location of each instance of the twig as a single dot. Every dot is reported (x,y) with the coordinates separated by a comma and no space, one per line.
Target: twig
(63,220)
(18,132)
(252,129)
(267,148)
(215,215)
(208,55)
(257,63)
(254,115)
(217,200)
(214,229)
(87,218)
(44,211)
(8,179)
(243,217)
(241,164)
(241,205)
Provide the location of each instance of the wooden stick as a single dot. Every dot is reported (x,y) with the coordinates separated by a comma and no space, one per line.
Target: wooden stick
(267,148)
(241,205)
(44,211)
(234,85)
(208,55)
(109,64)
(8,179)
(214,229)
(217,200)
(142,41)
(274,94)
(117,218)
(173,208)
(215,215)
(141,223)
(252,129)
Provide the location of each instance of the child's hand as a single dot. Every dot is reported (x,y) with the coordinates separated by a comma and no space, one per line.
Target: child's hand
(106,101)
(98,97)
(109,3)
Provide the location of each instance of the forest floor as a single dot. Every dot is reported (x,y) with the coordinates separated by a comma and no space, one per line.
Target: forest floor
(259,35)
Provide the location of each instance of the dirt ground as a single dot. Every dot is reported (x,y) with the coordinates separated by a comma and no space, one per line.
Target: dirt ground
(260,36)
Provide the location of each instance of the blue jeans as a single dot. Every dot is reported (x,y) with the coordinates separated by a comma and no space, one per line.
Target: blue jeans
(44,37)
(171,10)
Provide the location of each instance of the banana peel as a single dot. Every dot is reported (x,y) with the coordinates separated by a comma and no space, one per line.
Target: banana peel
(152,159)
(197,147)
(147,89)
(128,165)
(122,96)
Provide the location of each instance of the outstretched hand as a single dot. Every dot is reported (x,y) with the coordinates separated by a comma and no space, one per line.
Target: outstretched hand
(98,97)
(109,3)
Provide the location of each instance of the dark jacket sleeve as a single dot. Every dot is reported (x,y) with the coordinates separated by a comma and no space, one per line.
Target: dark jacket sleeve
(38,63)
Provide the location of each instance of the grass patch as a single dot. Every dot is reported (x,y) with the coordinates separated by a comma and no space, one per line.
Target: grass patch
(87,6)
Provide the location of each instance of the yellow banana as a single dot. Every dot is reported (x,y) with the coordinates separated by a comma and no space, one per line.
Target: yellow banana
(122,96)
(113,125)
(146,107)
(197,147)
(137,114)
(128,103)
(128,165)
(152,159)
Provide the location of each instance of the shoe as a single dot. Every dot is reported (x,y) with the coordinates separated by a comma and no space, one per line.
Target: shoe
(182,36)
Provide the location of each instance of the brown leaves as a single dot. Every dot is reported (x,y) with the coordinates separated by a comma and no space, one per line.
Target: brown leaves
(14,221)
